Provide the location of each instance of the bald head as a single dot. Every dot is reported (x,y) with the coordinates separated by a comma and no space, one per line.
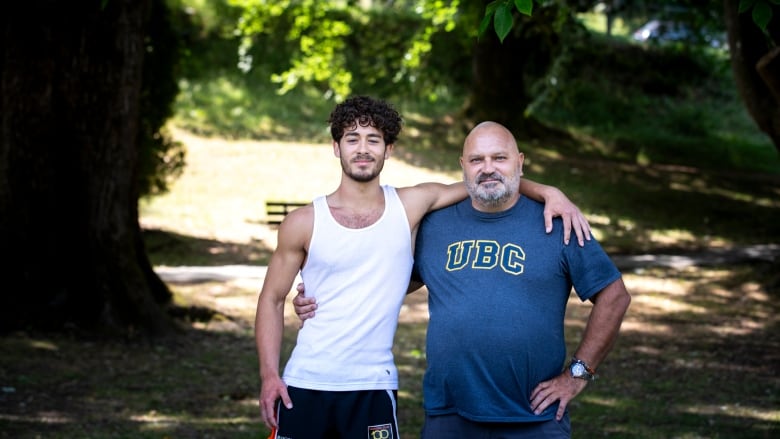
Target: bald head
(489,132)
(492,167)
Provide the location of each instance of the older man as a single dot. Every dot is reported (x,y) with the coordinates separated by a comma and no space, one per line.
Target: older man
(498,289)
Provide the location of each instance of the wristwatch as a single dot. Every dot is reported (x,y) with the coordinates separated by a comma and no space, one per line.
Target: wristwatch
(579,369)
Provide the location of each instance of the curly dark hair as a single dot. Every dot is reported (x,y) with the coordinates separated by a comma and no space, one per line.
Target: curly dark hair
(365,111)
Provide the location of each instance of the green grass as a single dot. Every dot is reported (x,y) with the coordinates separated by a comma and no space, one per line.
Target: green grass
(695,359)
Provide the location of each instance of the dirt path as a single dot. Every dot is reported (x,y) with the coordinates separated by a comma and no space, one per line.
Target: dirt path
(712,257)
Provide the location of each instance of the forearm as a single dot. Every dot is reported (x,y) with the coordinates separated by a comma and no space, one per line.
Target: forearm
(269,327)
(603,325)
(537,191)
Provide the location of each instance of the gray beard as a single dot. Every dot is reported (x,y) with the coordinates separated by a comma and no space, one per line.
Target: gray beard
(495,197)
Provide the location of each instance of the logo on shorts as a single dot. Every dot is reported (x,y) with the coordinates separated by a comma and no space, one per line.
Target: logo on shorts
(380,431)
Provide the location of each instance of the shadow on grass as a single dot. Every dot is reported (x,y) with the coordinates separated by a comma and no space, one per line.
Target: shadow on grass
(697,358)
(639,209)
(174,249)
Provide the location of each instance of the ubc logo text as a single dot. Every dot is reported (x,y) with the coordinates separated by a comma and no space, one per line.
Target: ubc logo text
(485,255)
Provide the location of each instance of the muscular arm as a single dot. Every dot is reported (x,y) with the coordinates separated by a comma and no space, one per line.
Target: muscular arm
(269,319)
(426,197)
(609,307)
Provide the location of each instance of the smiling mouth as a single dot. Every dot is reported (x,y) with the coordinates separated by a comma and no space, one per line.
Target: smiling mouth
(488,180)
(363,160)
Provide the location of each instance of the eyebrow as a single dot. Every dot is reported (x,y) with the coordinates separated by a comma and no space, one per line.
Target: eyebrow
(354,134)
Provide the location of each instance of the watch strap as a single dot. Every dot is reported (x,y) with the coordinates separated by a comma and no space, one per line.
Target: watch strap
(589,375)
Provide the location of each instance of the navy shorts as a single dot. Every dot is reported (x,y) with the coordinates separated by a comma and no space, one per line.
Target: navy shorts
(457,427)
(317,414)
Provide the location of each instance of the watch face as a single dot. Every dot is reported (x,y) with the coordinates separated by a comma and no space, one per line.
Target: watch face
(577,370)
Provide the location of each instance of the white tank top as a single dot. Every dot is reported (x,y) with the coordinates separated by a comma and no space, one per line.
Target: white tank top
(360,278)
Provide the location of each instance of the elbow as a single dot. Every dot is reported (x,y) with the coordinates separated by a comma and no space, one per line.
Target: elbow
(625,302)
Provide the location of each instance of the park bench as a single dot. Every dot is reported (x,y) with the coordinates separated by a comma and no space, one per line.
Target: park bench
(275,211)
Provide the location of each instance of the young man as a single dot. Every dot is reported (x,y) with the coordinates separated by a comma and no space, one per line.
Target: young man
(354,251)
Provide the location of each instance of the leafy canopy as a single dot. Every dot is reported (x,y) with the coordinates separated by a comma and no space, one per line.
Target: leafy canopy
(320,31)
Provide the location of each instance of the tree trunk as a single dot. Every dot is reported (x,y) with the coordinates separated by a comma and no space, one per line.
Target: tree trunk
(503,74)
(749,51)
(70,93)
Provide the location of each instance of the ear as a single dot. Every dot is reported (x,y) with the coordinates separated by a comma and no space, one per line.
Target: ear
(336,149)
(389,150)
(520,160)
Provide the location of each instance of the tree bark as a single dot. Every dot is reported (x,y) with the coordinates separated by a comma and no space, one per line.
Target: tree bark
(748,46)
(69,106)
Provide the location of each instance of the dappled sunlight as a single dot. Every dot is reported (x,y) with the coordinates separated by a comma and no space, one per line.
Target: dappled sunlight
(701,186)
(154,420)
(672,236)
(656,303)
(601,400)
(771,414)
(51,417)
(45,345)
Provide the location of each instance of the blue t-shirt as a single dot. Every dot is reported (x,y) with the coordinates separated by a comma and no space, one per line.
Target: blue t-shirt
(498,287)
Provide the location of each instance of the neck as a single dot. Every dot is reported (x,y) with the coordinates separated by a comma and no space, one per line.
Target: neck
(357,206)
(357,195)
(501,206)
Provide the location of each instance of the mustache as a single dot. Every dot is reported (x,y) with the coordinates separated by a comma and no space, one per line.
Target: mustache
(492,176)
(363,157)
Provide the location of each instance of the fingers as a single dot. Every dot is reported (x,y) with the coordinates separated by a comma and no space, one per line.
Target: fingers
(304,307)
(561,411)
(561,389)
(548,220)
(542,397)
(567,223)
(585,225)
(304,302)
(573,221)
(268,413)
(269,405)
(577,226)
(286,399)
(304,316)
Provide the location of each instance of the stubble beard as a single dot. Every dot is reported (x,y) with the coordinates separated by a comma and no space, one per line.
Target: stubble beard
(495,196)
(363,175)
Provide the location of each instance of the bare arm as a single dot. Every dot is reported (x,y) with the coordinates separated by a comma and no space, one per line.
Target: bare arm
(426,197)
(609,308)
(269,319)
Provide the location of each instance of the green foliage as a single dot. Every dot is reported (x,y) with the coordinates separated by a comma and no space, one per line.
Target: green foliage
(673,104)
(761,12)
(500,12)
(326,33)
(655,105)
(160,158)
